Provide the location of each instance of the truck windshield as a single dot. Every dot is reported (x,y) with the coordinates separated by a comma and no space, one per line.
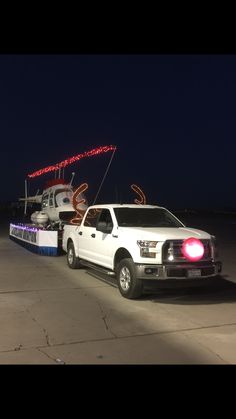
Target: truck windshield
(145,217)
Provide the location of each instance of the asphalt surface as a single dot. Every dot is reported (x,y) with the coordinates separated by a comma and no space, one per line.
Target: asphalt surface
(50,314)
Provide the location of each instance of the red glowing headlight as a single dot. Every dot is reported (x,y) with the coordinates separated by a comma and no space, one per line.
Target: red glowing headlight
(193,249)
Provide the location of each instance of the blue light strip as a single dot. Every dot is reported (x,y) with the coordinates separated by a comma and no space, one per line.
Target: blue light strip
(25,227)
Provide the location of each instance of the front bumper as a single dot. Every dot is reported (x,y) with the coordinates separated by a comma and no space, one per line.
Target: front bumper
(178,271)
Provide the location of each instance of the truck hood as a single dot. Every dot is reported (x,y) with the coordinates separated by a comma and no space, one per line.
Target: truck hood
(164,233)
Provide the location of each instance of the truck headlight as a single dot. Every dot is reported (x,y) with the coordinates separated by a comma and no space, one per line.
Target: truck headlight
(147,248)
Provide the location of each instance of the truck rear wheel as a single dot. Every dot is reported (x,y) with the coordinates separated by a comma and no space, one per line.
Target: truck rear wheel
(72,260)
(129,285)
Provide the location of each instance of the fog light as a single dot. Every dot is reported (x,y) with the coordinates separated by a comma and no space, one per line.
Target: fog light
(151,271)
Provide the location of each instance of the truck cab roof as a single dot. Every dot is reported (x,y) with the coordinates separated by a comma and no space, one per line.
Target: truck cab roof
(124,205)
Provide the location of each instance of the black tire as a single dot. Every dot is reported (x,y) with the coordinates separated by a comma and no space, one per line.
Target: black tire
(129,286)
(72,260)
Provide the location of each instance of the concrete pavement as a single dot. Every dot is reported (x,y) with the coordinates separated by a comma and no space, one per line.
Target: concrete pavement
(50,314)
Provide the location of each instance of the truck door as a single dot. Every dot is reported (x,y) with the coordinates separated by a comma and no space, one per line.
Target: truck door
(86,233)
(98,247)
(106,241)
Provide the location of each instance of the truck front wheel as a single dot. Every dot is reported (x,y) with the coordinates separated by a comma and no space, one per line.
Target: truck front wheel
(129,285)
(72,260)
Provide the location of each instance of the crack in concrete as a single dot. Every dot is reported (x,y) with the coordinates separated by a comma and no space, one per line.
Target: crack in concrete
(56,360)
(50,289)
(60,361)
(46,334)
(104,318)
(165,332)
(47,337)
(206,347)
(18,348)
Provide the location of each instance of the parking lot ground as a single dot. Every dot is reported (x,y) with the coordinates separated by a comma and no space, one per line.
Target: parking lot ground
(50,314)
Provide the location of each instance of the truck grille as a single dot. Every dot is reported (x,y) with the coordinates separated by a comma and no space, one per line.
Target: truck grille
(173,247)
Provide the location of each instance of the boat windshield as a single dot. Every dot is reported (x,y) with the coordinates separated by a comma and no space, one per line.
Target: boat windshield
(63,197)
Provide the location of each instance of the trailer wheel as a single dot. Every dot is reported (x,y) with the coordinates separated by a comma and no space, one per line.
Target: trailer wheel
(129,286)
(72,260)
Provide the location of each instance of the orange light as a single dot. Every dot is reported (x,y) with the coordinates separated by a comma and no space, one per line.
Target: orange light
(140,193)
(76,204)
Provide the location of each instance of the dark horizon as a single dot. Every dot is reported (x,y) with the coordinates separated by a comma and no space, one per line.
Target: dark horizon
(172,118)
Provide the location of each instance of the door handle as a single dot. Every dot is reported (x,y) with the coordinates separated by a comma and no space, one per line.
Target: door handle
(80,233)
(93,235)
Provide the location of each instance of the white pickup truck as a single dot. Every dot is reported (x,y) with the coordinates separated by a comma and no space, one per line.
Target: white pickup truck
(138,243)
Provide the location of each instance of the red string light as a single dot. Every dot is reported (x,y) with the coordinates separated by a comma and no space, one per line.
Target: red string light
(70,160)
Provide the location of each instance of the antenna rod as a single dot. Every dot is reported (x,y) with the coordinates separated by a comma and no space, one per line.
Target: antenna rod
(104,176)
(72,178)
(25,196)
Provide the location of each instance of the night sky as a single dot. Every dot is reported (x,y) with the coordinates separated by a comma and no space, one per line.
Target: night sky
(172,118)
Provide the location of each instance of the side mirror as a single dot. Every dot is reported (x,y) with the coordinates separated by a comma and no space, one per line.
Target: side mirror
(104,227)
